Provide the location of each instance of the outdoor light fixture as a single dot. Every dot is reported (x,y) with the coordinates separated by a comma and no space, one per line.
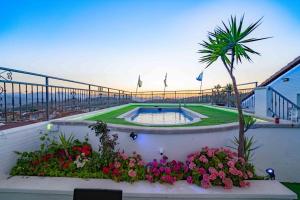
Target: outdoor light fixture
(49,127)
(133,135)
(285,79)
(271,173)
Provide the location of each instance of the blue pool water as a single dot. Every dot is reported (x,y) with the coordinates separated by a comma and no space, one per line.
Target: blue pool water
(161,116)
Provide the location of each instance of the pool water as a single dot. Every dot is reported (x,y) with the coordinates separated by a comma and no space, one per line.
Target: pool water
(161,116)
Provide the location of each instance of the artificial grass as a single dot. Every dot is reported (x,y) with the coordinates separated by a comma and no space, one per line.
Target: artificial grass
(295,187)
(215,116)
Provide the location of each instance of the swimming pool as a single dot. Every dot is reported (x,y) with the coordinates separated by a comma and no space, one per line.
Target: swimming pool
(162,116)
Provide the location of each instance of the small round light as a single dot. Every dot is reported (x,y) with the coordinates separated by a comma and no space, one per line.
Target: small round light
(271,173)
(49,127)
(133,135)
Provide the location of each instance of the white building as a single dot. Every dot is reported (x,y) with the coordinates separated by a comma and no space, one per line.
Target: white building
(279,95)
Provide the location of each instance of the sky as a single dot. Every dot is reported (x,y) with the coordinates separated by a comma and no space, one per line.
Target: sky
(111,43)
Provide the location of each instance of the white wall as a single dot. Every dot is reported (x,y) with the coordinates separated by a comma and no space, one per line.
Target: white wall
(279,146)
(291,88)
(261,101)
(25,138)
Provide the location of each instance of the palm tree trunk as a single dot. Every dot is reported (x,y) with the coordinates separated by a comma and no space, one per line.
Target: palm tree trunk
(241,149)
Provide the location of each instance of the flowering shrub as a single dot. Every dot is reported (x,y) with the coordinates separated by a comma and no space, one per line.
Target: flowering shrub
(164,171)
(218,166)
(54,160)
(125,168)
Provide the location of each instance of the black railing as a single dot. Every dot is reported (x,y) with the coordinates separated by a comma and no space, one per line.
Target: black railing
(23,101)
(27,96)
(282,107)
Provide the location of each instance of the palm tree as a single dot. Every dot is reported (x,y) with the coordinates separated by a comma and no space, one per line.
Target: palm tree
(228,88)
(229,44)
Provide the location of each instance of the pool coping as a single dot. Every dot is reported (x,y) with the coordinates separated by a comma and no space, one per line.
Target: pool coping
(196,116)
(173,130)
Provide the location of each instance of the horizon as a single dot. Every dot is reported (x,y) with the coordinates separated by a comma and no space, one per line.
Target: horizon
(146,38)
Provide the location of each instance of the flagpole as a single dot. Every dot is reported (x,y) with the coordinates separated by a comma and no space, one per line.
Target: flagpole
(137,86)
(200,97)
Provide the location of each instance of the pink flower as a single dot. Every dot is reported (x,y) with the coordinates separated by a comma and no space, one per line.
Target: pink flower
(212,170)
(220,165)
(117,165)
(191,158)
(213,177)
(228,184)
(210,153)
(189,179)
(168,170)
(250,174)
(124,156)
(202,171)
(236,172)
(131,164)
(205,184)
(149,178)
(231,163)
(203,159)
(192,165)
(141,163)
(132,173)
(222,174)
(242,160)
(186,169)
(206,177)
(161,169)
(155,163)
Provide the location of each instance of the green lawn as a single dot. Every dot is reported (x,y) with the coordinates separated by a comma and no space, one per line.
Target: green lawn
(215,116)
(295,187)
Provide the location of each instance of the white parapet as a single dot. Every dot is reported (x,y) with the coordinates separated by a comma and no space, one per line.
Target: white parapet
(28,188)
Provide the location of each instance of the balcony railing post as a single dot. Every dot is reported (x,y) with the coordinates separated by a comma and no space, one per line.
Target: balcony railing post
(175,97)
(119,97)
(47,97)
(89,97)
(152,97)
(108,96)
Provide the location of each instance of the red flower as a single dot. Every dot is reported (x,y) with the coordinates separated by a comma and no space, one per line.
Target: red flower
(105,170)
(116,172)
(66,164)
(36,162)
(76,148)
(86,149)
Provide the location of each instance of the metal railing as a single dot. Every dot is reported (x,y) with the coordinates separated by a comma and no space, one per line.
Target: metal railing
(282,107)
(221,96)
(28,96)
(22,101)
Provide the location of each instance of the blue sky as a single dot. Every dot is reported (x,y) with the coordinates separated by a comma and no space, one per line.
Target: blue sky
(112,42)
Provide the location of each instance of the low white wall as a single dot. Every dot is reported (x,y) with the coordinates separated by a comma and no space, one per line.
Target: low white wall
(279,146)
(25,138)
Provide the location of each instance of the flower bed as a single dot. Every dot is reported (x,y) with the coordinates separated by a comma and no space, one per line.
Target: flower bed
(208,167)
(70,157)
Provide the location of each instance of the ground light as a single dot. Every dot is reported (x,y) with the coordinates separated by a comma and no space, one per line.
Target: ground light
(133,135)
(271,173)
(49,127)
